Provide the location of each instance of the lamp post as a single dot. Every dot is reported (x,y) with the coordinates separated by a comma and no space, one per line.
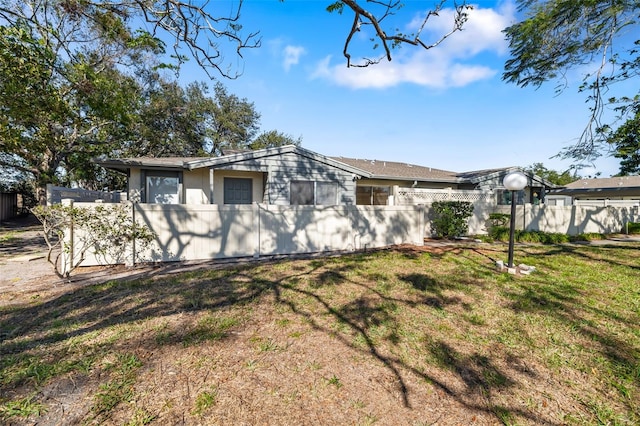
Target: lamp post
(513,181)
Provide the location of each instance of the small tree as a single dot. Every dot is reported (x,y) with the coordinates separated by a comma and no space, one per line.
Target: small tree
(451,218)
(106,230)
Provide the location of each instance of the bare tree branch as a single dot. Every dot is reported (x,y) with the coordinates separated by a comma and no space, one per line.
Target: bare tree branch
(389,41)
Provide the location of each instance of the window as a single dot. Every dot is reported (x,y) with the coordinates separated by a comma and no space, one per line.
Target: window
(504,197)
(308,193)
(326,193)
(372,195)
(238,191)
(163,187)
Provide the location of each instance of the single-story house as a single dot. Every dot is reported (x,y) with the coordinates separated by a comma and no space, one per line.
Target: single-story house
(614,188)
(280,175)
(385,175)
(291,175)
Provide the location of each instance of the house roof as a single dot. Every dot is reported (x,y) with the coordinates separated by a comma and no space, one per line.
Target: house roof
(478,176)
(373,169)
(122,164)
(190,163)
(401,171)
(603,187)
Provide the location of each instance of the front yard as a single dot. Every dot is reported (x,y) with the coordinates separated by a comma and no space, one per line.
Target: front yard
(406,336)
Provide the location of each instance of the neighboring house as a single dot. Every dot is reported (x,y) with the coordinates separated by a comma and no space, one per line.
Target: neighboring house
(291,175)
(534,193)
(385,177)
(615,188)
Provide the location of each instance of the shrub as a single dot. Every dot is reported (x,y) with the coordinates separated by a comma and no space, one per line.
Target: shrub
(633,228)
(501,233)
(555,238)
(104,229)
(530,237)
(589,236)
(451,218)
(499,219)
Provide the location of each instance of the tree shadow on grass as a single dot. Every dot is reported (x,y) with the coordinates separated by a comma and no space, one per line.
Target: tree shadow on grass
(596,253)
(576,307)
(33,331)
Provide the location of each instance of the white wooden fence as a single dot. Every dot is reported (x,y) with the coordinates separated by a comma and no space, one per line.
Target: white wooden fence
(198,232)
(573,220)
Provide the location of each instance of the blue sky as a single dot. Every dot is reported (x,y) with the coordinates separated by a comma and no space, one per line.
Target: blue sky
(446,108)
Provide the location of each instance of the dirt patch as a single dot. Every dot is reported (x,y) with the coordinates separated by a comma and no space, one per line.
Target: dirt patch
(385,339)
(23,257)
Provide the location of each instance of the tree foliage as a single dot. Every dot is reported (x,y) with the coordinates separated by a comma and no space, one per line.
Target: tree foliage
(236,122)
(63,96)
(595,37)
(274,138)
(553,176)
(88,105)
(211,33)
(82,79)
(202,31)
(625,141)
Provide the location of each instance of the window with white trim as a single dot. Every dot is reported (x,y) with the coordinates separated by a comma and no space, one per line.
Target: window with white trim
(163,187)
(309,193)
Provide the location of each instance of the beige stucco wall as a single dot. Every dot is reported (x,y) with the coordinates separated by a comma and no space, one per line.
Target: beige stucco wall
(135,185)
(218,184)
(195,184)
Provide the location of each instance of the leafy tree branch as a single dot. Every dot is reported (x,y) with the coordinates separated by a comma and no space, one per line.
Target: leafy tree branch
(597,38)
(106,231)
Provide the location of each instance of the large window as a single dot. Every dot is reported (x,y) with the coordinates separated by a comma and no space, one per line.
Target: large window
(504,197)
(313,193)
(163,187)
(372,195)
(238,191)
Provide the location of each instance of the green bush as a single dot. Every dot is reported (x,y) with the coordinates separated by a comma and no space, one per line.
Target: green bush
(530,237)
(633,228)
(589,236)
(555,238)
(499,219)
(451,217)
(501,233)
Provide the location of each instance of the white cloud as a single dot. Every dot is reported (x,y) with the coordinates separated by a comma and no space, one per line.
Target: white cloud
(292,56)
(453,63)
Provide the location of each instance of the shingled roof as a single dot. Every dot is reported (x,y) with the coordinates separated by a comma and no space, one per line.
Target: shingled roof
(603,187)
(601,183)
(395,170)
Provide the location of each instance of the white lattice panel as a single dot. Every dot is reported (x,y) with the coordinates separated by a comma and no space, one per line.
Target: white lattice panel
(426,196)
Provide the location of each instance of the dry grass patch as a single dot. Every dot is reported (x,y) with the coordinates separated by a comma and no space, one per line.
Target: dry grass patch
(410,336)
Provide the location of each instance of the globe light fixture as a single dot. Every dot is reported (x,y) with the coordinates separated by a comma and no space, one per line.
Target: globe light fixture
(513,181)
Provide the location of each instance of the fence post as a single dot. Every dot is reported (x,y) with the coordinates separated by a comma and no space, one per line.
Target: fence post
(255,222)
(130,259)
(67,248)
(421,220)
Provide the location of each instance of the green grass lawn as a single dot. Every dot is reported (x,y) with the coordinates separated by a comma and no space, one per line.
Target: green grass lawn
(400,336)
